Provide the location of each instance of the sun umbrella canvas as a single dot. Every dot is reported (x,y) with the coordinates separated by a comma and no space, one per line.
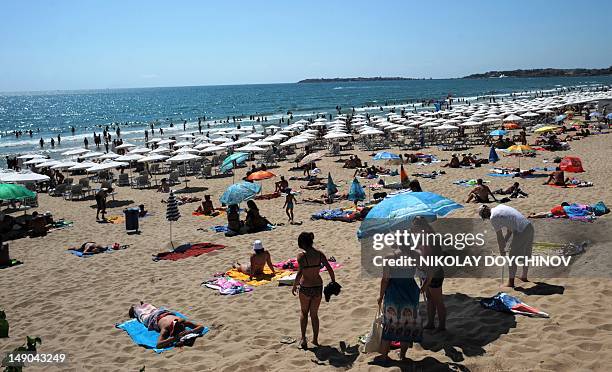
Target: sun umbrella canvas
(331,186)
(172,213)
(239,192)
(356,193)
(15,192)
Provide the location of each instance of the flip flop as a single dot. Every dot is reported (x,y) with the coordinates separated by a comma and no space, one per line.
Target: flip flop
(287,340)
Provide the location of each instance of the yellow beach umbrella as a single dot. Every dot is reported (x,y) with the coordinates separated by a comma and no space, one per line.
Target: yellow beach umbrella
(548,128)
(520,150)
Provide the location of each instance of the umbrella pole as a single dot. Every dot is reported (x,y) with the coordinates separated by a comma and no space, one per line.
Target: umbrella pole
(171,243)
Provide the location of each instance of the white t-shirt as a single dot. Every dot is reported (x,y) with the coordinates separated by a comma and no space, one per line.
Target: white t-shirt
(508,217)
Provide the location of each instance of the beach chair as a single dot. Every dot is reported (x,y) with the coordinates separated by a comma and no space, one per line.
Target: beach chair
(195,167)
(124,179)
(173,178)
(76,191)
(68,181)
(142,181)
(154,168)
(206,171)
(84,182)
(59,190)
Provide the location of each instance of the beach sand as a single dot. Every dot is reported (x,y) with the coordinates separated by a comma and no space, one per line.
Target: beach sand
(73,303)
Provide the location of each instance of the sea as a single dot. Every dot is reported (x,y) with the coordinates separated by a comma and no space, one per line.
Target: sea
(50,113)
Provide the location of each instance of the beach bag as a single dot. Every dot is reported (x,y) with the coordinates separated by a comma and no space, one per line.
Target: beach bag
(373,340)
(600,209)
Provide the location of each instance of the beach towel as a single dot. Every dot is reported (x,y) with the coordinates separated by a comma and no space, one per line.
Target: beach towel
(338,214)
(109,249)
(202,216)
(225,229)
(292,265)
(467,183)
(60,224)
(258,280)
(116,220)
(227,286)
(273,195)
(503,302)
(188,250)
(145,338)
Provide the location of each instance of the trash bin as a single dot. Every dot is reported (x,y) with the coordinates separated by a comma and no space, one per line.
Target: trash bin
(131,219)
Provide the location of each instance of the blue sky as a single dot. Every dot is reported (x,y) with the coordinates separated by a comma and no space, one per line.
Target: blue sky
(46,45)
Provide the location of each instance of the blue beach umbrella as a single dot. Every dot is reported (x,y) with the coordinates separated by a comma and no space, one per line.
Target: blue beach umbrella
(356,193)
(498,132)
(331,186)
(493,158)
(385,155)
(239,192)
(235,158)
(559,118)
(402,208)
(609,116)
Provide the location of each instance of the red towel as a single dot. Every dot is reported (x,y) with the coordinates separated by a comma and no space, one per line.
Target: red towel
(193,251)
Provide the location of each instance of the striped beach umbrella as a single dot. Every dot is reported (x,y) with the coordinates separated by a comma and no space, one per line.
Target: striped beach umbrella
(172,213)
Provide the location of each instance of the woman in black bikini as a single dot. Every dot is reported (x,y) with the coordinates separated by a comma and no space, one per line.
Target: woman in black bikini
(310,285)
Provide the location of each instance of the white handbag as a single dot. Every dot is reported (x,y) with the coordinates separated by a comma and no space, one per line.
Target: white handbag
(373,340)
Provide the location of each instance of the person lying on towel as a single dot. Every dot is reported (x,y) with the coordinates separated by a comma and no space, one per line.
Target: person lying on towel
(258,261)
(171,328)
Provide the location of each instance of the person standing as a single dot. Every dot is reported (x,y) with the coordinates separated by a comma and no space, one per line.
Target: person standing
(310,285)
(101,204)
(59,140)
(86,142)
(518,228)
(42,143)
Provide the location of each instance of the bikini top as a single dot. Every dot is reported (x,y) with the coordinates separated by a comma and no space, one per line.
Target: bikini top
(312,266)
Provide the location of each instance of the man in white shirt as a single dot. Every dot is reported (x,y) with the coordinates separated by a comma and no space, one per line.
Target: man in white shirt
(518,227)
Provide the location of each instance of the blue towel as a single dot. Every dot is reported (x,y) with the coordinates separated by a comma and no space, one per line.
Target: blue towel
(501,174)
(82,255)
(143,337)
(220,228)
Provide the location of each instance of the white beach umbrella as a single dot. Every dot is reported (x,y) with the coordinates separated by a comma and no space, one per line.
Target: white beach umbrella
(446,127)
(250,148)
(22,177)
(153,158)
(82,166)
(75,152)
(336,135)
(107,165)
(64,165)
(184,157)
(125,146)
(129,158)
(90,155)
(109,155)
(139,150)
(513,118)
(36,161)
(160,150)
(166,142)
(31,156)
(212,149)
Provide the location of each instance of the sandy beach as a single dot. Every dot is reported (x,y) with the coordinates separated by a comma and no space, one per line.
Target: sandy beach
(73,303)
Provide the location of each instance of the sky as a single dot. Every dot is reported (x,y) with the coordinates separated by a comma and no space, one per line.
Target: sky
(74,44)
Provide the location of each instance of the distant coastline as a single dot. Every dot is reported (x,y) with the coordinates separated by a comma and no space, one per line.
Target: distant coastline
(354,79)
(544,72)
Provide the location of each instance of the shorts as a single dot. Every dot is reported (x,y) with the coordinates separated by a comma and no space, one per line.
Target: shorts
(522,242)
(436,282)
(312,292)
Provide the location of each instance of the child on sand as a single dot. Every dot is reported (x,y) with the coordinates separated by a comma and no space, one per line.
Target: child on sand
(289,202)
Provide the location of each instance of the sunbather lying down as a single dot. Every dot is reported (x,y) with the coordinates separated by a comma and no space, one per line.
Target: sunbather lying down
(172,329)
(93,247)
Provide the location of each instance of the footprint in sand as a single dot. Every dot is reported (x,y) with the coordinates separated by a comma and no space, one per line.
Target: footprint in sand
(583,332)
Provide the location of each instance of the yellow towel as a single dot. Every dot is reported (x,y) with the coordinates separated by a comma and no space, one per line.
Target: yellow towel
(117,220)
(266,278)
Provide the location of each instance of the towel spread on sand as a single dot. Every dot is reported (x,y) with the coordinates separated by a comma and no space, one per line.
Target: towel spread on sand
(188,250)
(337,214)
(258,280)
(109,249)
(467,183)
(224,228)
(227,286)
(116,220)
(273,195)
(292,265)
(143,337)
(205,217)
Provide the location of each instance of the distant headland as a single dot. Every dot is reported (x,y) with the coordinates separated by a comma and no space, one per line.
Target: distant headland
(544,72)
(353,79)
